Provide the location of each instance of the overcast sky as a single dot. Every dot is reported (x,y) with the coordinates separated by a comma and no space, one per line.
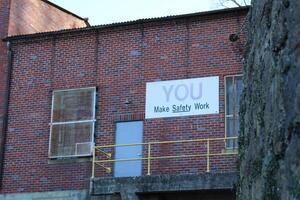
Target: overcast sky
(109,11)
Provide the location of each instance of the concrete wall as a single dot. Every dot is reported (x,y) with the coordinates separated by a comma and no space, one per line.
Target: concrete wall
(199,195)
(188,185)
(118,61)
(57,195)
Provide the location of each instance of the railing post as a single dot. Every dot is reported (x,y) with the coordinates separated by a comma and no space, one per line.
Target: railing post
(149,159)
(207,156)
(93,163)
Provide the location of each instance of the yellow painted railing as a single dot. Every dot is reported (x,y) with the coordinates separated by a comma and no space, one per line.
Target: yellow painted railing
(149,157)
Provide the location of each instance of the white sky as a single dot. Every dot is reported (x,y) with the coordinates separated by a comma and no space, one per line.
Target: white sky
(109,11)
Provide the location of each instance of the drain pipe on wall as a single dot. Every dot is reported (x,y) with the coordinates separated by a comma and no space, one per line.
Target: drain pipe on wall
(6,106)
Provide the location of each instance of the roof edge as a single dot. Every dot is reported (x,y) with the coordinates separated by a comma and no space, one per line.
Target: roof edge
(119,24)
(64,10)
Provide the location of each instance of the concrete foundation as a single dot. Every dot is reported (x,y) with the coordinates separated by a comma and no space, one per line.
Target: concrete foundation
(183,186)
(56,195)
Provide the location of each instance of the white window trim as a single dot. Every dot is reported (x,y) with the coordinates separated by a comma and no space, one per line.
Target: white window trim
(225,112)
(93,120)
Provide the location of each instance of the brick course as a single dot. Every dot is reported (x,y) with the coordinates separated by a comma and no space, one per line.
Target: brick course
(118,61)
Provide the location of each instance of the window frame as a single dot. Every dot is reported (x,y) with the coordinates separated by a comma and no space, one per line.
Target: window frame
(93,121)
(225,110)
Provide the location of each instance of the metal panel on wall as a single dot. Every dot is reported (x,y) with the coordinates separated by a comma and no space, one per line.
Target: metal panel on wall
(185,97)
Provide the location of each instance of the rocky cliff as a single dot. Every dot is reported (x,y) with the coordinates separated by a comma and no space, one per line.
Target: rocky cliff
(270,109)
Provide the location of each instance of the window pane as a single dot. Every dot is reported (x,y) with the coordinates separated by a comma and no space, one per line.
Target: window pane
(229,96)
(232,143)
(237,126)
(239,90)
(73,105)
(232,128)
(65,138)
(234,88)
(229,127)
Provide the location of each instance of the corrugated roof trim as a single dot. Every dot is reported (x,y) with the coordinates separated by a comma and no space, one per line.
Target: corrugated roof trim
(118,24)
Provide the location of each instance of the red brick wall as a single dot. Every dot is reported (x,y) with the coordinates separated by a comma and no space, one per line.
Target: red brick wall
(33,16)
(119,61)
(28,16)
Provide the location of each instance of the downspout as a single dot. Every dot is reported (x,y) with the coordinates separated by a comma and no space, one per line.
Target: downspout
(6,106)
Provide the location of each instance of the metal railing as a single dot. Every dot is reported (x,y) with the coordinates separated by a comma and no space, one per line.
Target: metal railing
(149,157)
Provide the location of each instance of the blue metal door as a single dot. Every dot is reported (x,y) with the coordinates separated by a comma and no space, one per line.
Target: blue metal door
(128,133)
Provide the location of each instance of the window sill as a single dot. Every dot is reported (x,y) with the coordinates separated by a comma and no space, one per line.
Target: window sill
(69,160)
(230,150)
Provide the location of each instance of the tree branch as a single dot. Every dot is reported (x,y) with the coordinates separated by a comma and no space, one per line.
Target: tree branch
(236,3)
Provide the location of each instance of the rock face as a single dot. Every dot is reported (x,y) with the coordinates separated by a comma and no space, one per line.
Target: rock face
(270,109)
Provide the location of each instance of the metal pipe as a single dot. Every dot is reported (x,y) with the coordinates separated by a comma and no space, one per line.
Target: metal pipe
(164,157)
(165,142)
(6,107)
(104,152)
(93,163)
(149,159)
(207,157)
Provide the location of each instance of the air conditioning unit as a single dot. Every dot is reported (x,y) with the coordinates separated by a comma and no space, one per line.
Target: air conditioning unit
(84,148)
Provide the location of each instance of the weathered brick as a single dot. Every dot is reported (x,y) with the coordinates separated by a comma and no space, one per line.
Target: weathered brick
(117,61)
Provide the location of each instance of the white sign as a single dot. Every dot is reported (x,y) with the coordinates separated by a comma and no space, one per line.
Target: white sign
(197,96)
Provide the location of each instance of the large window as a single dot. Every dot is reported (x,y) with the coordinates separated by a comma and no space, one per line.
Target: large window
(233,91)
(72,122)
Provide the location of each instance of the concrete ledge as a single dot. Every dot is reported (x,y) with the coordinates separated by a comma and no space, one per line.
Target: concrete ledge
(70,160)
(57,195)
(164,183)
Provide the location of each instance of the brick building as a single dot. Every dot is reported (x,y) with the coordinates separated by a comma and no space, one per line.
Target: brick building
(167,88)
(26,17)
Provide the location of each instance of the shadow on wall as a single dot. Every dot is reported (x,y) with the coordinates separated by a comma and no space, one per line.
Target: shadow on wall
(199,195)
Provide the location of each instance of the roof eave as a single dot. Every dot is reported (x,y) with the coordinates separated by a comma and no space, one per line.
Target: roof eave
(135,22)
